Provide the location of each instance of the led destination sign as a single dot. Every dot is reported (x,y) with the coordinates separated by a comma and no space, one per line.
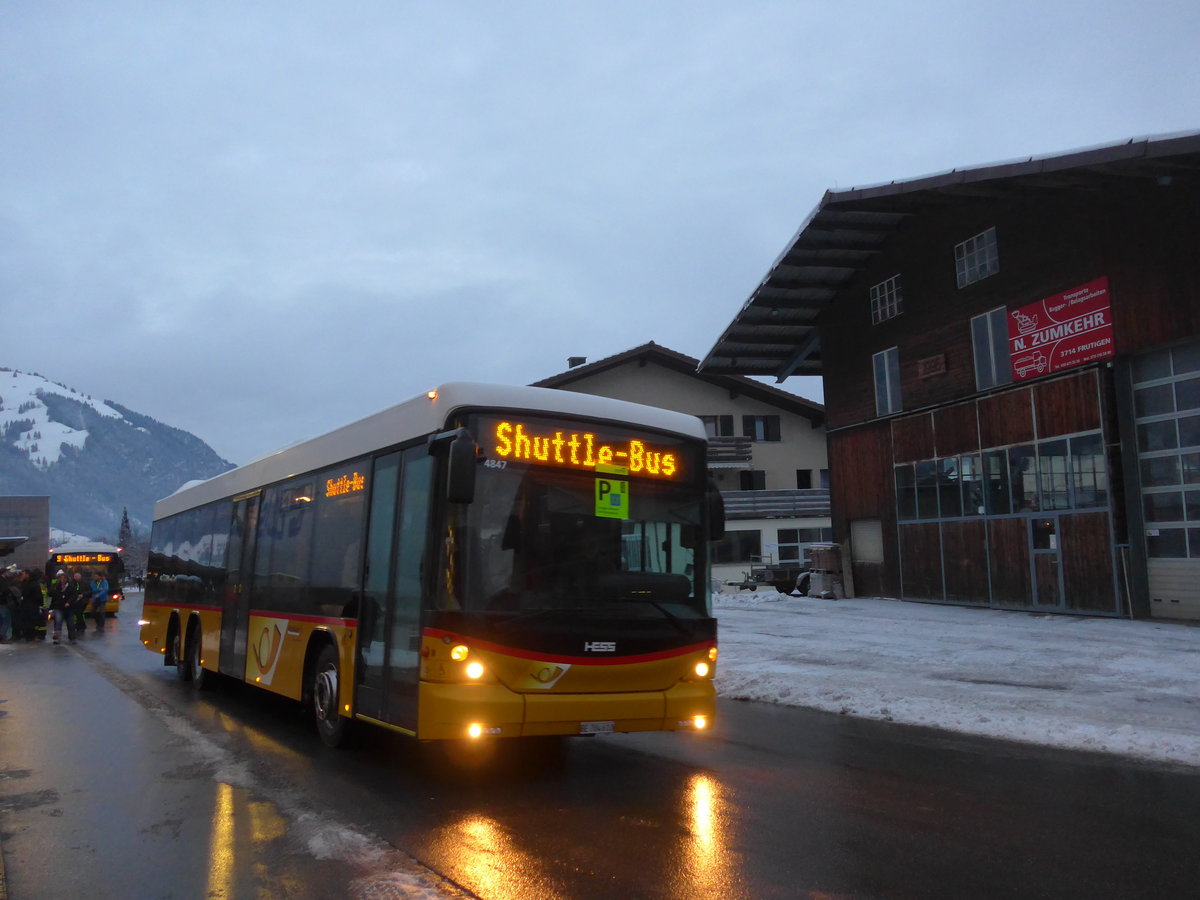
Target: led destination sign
(76,558)
(523,442)
(347,484)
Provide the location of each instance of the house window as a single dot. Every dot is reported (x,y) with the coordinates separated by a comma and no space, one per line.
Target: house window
(761,428)
(804,479)
(976,258)
(794,542)
(718,426)
(887,382)
(824,479)
(887,300)
(754,480)
(989,339)
(738,546)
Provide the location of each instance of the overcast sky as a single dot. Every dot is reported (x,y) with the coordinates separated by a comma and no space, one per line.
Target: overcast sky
(260,221)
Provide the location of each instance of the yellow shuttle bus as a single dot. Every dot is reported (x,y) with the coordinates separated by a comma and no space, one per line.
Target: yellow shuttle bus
(88,558)
(479,562)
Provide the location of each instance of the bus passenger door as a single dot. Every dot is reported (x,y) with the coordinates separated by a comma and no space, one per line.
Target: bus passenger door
(235,605)
(372,611)
(404,638)
(389,627)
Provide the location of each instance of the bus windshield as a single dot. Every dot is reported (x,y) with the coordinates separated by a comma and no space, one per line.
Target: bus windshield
(545,537)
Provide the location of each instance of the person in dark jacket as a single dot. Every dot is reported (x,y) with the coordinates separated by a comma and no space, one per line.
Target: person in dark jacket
(82,593)
(30,620)
(10,598)
(64,594)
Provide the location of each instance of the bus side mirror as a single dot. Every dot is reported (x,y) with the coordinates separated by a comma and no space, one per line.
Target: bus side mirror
(460,483)
(461,456)
(716,512)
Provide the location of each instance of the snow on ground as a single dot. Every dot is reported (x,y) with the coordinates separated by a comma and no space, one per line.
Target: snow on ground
(1107,685)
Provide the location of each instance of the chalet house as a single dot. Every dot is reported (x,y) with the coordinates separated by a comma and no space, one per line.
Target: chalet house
(766,449)
(1011,361)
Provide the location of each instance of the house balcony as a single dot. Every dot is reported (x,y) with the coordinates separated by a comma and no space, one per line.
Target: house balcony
(729,452)
(794,504)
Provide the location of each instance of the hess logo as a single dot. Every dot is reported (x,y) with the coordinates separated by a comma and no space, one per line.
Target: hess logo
(599,646)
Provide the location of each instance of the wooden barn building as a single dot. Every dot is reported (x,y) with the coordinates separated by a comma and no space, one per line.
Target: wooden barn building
(1011,363)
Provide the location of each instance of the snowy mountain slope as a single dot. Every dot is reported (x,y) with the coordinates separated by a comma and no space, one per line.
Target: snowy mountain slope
(93,458)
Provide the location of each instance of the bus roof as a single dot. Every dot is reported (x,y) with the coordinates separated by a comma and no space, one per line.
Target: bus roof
(413,418)
(85,547)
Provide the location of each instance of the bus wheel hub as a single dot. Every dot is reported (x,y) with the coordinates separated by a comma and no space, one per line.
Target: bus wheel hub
(326,694)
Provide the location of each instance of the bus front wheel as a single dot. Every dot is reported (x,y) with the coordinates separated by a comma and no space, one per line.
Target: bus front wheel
(177,657)
(330,726)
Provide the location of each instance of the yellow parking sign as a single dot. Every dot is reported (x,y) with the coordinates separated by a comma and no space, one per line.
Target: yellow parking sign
(612,498)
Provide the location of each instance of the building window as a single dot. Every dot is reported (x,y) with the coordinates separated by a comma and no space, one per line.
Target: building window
(718,426)
(989,340)
(887,382)
(754,480)
(794,542)
(976,258)
(824,479)
(804,479)
(1060,474)
(738,547)
(761,428)
(887,300)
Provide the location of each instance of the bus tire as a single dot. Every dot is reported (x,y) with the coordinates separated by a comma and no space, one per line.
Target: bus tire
(200,677)
(175,647)
(332,727)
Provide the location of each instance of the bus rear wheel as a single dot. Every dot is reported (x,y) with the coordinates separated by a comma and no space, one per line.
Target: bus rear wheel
(332,727)
(199,676)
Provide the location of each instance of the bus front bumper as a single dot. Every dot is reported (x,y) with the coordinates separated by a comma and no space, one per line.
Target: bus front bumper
(456,711)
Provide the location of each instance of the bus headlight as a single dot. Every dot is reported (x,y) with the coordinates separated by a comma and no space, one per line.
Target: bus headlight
(701,670)
(475,670)
(474,730)
(459,652)
(712,653)
(700,722)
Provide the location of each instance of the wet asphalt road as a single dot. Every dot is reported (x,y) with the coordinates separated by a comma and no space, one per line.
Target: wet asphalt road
(117,781)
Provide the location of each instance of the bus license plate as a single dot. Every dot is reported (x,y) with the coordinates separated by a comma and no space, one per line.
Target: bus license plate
(596,727)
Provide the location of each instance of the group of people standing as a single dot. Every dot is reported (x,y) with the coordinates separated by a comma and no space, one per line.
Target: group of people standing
(26,606)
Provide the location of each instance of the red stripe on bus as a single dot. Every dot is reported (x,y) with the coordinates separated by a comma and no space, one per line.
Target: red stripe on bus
(573,660)
(295,617)
(291,617)
(196,608)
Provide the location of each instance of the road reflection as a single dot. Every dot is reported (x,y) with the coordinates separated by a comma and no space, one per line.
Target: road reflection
(491,861)
(706,860)
(261,823)
(220,852)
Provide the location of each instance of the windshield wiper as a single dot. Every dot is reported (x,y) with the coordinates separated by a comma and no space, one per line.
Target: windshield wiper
(670,616)
(533,615)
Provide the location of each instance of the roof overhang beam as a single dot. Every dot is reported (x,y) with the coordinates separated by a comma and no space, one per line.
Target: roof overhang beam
(804,350)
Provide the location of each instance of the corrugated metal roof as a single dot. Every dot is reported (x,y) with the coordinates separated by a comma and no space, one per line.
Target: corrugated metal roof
(775,333)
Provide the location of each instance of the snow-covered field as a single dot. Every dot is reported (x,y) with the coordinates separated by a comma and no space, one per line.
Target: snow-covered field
(1115,686)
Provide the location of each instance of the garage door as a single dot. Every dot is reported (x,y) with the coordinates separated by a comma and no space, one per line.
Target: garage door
(1166,395)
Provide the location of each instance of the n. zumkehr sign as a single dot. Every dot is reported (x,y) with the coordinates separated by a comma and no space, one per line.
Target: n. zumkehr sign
(1061,331)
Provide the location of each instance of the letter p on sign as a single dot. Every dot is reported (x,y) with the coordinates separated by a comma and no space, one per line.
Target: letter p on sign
(612,498)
